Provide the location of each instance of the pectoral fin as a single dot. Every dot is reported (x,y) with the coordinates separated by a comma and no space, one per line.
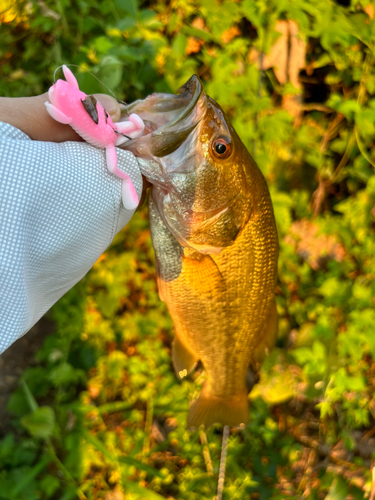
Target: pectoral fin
(203,274)
(184,359)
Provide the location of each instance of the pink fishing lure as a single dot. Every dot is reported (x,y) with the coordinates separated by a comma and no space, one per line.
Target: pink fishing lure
(67,104)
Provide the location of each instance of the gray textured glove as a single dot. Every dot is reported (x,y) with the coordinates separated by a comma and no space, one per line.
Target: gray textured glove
(60,209)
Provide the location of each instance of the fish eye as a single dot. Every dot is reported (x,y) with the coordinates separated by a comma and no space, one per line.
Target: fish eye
(222,147)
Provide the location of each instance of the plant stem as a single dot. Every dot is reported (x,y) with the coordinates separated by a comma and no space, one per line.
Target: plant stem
(64,470)
(206,453)
(223,458)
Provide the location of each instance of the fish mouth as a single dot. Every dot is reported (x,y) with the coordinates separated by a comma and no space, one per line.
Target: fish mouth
(169,119)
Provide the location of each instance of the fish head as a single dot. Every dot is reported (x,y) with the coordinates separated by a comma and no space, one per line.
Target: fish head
(200,170)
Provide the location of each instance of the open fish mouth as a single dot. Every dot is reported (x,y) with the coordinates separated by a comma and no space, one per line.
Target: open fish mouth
(168,118)
(189,191)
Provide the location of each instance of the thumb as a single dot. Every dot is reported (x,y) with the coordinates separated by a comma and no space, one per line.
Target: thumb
(110,104)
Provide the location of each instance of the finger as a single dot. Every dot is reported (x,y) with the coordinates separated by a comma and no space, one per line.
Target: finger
(110,104)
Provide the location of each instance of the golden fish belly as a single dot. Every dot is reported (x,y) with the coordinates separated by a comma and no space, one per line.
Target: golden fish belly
(223,309)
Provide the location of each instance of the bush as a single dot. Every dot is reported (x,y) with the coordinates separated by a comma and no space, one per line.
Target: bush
(297,80)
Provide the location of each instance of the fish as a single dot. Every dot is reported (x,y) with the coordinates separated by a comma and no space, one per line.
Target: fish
(216,245)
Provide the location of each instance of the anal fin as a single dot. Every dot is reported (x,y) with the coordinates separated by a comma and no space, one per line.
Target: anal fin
(184,359)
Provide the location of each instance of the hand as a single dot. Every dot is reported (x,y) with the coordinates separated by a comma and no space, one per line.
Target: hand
(29,114)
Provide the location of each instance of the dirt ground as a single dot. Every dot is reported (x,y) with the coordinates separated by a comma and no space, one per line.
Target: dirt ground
(14,360)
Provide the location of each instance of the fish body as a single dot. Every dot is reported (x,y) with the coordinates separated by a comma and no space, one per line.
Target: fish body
(216,247)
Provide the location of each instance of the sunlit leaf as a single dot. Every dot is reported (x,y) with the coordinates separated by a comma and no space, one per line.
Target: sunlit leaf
(40,423)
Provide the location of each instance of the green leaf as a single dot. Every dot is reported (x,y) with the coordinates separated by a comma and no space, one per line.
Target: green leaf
(29,397)
(335,291)
(198,33)
(141,491)
(40,423)
(325,408)
(179,44)
(69,493)
(49,485)
(361,27)
(110,72)
(130,6)
(282,203)
(6,448)
(339,490)
(103,44)
(64,373)
(113,459)
(29,476)
(141,466)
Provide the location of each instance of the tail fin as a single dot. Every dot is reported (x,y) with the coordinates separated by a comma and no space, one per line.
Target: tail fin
(209,409)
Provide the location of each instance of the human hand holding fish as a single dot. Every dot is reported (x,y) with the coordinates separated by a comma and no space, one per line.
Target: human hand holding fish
(212,227)
(60,206)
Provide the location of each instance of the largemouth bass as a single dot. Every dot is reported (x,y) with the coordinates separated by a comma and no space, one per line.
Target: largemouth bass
(216,246)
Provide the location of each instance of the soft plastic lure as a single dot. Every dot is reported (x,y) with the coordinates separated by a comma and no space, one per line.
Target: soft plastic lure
(69,105)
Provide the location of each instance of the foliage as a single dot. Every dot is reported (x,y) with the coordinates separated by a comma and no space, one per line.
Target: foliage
(102,415)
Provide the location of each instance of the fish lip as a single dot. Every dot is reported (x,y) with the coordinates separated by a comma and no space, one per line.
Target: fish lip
(194,88)
(166,138)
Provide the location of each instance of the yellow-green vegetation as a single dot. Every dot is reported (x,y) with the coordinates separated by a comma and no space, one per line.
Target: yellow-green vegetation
(102,416)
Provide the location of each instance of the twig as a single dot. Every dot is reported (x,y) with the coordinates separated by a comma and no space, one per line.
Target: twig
(316,106)
(148,430)
(47,12)
(260,82)
(318,195)
(344,159)
(331,132)
(206,453)
(64,22)
(323,450)
(372,493)
(362,148)
(223,458)
(368,434)
(63,469)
